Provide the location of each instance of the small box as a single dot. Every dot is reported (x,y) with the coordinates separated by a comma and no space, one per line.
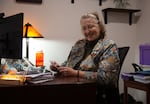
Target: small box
(144,54)
(10,83)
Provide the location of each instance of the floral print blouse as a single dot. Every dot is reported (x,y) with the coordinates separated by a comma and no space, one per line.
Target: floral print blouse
(103,59)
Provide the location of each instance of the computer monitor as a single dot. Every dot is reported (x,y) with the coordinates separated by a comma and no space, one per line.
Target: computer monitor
(11,33)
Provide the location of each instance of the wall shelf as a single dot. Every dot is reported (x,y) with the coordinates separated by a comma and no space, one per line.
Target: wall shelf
(130,11)
(100,2)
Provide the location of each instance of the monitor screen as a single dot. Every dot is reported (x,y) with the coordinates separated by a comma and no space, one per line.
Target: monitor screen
(11,33)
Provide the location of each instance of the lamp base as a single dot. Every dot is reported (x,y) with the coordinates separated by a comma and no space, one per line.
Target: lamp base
(28,62)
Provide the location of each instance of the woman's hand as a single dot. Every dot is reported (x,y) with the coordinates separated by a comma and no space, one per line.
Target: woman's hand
(67,71)
(54,65)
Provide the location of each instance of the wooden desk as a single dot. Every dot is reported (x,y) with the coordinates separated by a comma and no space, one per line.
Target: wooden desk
(136,85)
(62,90)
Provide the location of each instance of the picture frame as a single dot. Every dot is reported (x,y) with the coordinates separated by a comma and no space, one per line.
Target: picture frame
(30,1)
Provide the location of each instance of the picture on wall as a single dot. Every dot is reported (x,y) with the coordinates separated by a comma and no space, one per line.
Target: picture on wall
(30,1)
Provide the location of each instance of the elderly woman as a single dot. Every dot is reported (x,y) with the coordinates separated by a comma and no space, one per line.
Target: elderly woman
(95,57)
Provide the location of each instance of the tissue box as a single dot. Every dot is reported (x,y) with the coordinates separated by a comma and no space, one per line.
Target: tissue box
(144,54)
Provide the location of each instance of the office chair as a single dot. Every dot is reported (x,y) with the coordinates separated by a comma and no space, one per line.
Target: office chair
(111,94)
(137,67)
(122,54)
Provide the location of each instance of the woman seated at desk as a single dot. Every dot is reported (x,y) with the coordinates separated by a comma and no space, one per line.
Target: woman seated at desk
(94,57)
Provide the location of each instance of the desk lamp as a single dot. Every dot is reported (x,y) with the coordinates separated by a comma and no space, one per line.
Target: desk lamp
(30,32)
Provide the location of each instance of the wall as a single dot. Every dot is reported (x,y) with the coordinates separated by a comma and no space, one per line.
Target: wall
(142,36)
(58,22)
(142,32)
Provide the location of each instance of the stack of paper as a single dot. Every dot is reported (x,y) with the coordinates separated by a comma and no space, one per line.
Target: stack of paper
(140,76)
(39,78)
(127,76)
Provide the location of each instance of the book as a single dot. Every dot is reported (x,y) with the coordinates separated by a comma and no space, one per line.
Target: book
(142,81)
(144,75)
(39,81)
(39,75)
(127,76)
(39,78)
(141,76)
(144,72)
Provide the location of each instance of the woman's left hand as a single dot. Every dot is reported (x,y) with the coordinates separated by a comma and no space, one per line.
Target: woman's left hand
(67,71)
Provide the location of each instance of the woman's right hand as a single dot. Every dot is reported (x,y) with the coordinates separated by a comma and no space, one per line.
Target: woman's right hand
(54,65)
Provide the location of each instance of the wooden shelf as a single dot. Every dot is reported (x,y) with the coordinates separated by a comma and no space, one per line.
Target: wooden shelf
(100,2)
(130,11)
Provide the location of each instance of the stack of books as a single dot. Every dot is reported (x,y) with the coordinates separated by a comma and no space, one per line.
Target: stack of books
(140,76)
(39,78)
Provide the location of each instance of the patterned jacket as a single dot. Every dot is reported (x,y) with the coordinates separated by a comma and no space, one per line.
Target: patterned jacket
(103,59)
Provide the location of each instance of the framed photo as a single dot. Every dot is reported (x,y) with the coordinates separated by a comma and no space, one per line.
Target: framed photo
(30,1)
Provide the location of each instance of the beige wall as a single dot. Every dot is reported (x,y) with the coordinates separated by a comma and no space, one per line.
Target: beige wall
(58,22)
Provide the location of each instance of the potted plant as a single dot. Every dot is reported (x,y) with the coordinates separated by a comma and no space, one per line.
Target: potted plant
(121,3)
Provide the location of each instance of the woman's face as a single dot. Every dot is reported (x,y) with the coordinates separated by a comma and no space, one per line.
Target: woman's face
(90,28)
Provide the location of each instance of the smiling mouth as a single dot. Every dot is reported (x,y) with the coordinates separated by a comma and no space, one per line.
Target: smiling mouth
(89,35)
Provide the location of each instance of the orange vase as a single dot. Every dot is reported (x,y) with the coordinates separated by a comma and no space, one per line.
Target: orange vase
(39,58)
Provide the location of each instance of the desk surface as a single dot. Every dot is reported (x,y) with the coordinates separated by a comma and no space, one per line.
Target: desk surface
(68,80)
(58,80)
(60,90)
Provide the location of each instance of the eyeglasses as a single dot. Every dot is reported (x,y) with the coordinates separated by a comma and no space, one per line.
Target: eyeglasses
(89,27)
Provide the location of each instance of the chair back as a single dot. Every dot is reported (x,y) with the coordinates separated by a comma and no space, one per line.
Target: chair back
(122,54)
(105,95)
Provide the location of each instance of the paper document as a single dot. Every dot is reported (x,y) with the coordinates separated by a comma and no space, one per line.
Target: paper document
(39,78)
